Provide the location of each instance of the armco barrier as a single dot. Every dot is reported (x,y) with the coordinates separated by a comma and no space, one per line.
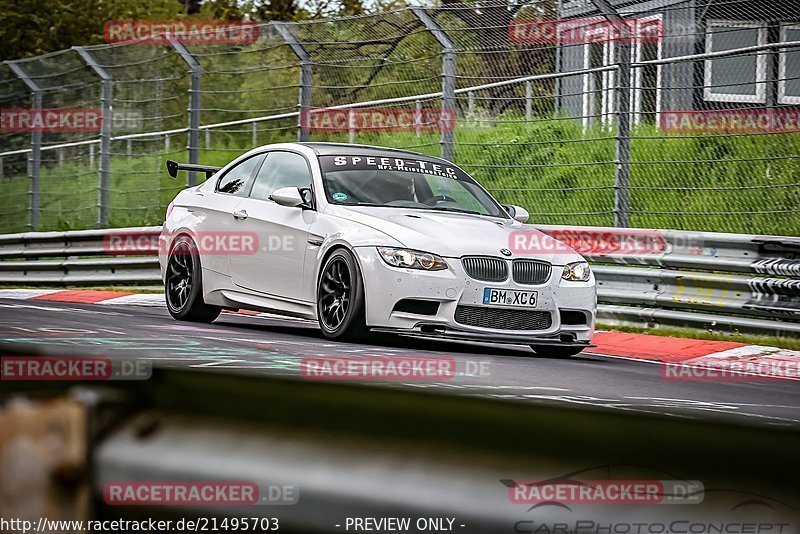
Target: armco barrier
(78,257)
(717,281)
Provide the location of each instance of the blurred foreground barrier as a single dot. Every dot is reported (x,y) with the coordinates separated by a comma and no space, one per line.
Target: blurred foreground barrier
(320,453)
(43,451)
(735,282)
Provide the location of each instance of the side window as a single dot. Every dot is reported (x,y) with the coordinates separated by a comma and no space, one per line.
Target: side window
(235,180)
(282,169)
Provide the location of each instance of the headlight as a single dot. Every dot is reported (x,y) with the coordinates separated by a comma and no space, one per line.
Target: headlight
(412,259)
(576,272)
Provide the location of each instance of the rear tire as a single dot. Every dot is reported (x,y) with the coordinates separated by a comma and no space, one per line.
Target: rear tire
(340,298)
(556,351)
(183,285)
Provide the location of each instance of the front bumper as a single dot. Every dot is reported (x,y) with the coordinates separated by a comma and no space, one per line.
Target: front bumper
(385,286)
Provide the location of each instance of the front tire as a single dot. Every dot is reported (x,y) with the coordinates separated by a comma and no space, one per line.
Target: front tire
(183,284)
(556,351)
(340,298)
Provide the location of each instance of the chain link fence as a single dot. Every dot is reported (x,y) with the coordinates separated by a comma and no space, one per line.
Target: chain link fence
(670,114)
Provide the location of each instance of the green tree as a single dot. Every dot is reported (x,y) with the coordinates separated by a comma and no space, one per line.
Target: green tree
(34,27)
(488,22)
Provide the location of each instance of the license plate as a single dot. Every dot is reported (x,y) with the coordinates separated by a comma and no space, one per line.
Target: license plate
(510,297)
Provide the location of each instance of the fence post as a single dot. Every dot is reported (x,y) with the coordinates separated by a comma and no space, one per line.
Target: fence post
(418,117)
(447,121)
(195,72)
(622,172)
(528,102)
(35,160)
(304,99)
(159,100)
(106,94)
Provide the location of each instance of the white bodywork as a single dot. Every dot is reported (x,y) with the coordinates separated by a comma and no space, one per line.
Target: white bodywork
(281,277)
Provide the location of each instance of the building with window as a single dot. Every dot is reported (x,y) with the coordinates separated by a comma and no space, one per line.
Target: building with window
(760,81)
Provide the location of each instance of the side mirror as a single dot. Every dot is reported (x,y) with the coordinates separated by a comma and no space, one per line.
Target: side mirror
(517,213)
(288,196)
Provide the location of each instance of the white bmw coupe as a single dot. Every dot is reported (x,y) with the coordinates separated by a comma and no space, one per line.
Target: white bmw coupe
(364,239)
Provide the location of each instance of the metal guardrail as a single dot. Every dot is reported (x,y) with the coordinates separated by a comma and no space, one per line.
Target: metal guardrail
(80,257)
(716,281)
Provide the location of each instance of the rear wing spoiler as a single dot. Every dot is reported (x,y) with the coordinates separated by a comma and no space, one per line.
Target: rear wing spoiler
(173,167)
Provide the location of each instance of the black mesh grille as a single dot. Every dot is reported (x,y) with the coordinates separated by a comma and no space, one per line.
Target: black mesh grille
(531,272)
(503,319)
(487,269)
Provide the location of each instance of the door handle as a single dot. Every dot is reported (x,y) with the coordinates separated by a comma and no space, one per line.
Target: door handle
(240,215)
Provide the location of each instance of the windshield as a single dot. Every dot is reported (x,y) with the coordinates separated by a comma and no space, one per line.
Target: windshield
(404,183)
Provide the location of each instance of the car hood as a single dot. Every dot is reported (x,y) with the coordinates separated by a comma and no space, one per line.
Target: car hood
(454,235)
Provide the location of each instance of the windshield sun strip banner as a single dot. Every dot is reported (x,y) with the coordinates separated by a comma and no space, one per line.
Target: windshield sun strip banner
(390,163)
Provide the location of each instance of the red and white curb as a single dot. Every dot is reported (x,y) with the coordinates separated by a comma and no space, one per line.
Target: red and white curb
(689,359)
(85,296)
(699,359)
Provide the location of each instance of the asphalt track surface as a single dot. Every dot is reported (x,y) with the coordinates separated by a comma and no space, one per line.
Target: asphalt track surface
(257,345)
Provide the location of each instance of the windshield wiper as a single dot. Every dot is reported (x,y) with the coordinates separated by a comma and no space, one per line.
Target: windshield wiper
(431,208)
(456,210)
